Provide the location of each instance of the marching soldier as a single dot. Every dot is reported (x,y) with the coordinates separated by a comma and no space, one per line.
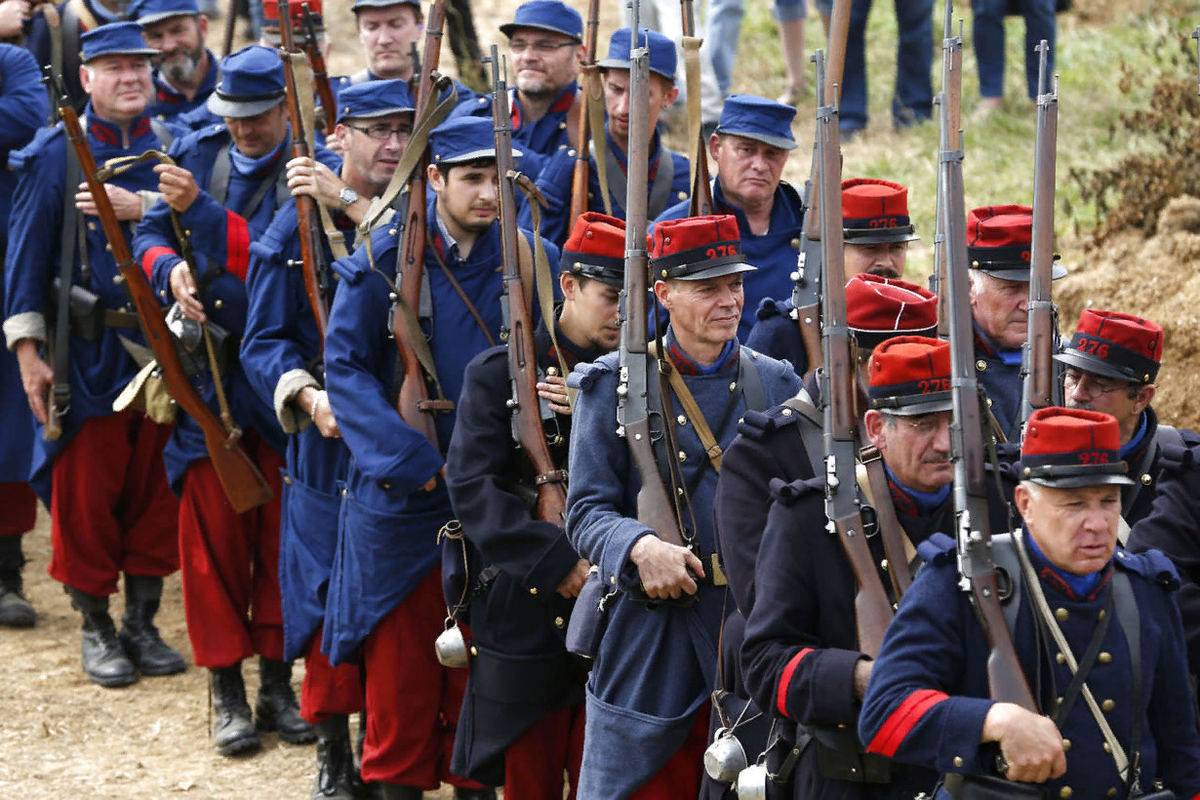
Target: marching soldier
(225,188)
(522,718)
(186,72)
(750,148)
(102,479)
(385,601)
(23,106)
(280,349)
(545,45)
(647,698)
(876,231)
(998,247)
(1115,726)
(669,177)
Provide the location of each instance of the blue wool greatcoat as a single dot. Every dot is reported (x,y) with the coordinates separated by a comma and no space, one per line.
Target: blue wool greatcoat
(927,699)
(221,237)
(655,667)
(777,335)
(1003,384)
(556,178)
(170,103)
(537,140)
(281,353)
(773,252)
(23,106)
(389,524)
(99,369)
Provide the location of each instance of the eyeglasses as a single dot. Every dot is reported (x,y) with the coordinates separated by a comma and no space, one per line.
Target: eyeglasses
(384,132)
(924,424)
(1094,387)
(541,47)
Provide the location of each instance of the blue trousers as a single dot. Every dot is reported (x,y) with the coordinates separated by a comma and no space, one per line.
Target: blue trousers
(988,29)
(913,97)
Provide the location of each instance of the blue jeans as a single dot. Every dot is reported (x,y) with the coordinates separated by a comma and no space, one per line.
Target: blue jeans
(722,28)
(988,30)
(913,98)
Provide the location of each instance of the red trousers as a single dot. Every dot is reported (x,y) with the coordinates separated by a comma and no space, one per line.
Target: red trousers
(535,764)
(112,509)
(18,509)
(230,566)
(412,701)
(680,776)
(328,690)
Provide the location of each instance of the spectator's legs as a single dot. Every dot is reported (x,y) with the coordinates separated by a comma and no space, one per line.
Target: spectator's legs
(721,35)
(854,78)
(791,14)
(1040,23)
(988,31)
(913,100)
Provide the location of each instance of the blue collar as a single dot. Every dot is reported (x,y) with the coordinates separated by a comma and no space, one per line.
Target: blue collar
(1136,441)
(1076,587)
(687,366)
(1011,358)
(782,216)
(913,502)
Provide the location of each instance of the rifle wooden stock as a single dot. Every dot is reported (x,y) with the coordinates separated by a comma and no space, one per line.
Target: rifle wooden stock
(654,506)
(522,357)
(582,174)
(413,402)
(872,611)
(316,60)
(1039,390)
(244,484)
(309,223)
(809,321)
(701,202)
(230,25)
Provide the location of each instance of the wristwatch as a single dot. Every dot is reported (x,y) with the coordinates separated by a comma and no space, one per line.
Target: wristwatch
(348,197)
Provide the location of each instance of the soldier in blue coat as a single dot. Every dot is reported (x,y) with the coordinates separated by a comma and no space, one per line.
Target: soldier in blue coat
(102,479)
(225,188)
(927,702)
(385,606)
(749,149)
(545,46)
(647,715)
(522,717)
(669,180)
(876,229)
(186,72)
(281,353)
(23,105)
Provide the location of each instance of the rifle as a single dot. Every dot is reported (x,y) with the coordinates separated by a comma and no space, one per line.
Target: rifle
(312,254)
(413,403)
(976,568)
(701,202)
(806,293)
(1041,387)
(656,508)
(949,140)
(872,609)
(244,484)
(592,93)
(522,358)
(316,60)
(230,26)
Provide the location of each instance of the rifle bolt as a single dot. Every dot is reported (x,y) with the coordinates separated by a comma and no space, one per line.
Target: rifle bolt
(511,404)
(391,297)
(622,391)
(118,279)
(795,276)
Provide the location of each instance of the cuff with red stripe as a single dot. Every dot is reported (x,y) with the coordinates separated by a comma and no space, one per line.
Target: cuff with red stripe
(931,728)
(817,687)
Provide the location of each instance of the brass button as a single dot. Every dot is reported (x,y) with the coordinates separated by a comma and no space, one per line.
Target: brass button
(1146,479)
(533,591)
(1111,793)
(796,244)
(552,371)
(1105,658)
(559,622)
(981,365)
(1060,658)
(219,304)
(562,126)
(682,456)
(787,412)
(1107,747)
(883,565)
(733,386)
(958,762)
(1102,614)
(91,226)
(571,152)
(682,195)
(1061,614)
(386,485)
(681,419)
(108,247)
(1108,705)
(474,651)
(287,479)
(1066,745)
(1065,792)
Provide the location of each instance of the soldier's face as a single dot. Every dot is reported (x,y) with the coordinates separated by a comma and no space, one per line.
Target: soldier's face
(916,449)
(258,135)
(387,35)
(706,312)
(591,312)
(1076,529)
(181,39)
(544,62)
(749,169)
(886,260)
(119,86)
(1000,309)
(372,157)
(469,195)
(1119,399)
(616,102)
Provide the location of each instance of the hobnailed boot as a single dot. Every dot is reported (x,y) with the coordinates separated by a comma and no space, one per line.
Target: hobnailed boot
(140,635)
(15,609)
(234,733)
(277,708)
(392,791)
(335,760)
(104,659)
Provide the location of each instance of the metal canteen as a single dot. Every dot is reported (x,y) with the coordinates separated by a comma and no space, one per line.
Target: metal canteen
(725,758)
(451,647)
(752,783)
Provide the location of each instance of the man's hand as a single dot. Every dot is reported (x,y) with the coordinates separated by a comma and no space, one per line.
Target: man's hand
(554,391)
(862,675)
(317,403)
(572,585)
(126,204)
(1030,743)
(665,569)
(36,377)
(13,14)
(178,186)
(312,178)
(183,286)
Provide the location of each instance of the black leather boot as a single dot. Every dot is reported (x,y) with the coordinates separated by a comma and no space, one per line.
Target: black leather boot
(277,708)
(15,609)
(335,761)
(391,791)
(139,634)
(234,731)
(474,794)
(104,659)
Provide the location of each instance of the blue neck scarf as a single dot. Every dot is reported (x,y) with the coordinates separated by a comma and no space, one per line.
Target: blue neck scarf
(249,167)
(1136,440)
(1081,585)
(926,502)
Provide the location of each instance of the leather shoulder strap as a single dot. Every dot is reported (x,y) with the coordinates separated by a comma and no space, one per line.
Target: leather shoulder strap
(218,182)
(660,189)
(750,380)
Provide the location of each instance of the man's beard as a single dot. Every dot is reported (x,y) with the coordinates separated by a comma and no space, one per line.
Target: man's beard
(540,90)
(181,71)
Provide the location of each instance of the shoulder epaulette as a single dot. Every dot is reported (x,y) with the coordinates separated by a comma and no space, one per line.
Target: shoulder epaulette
(937,549)
(769,308)
(1152,565)
(791,493)
(585,376)
(18,159)
(357,265)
